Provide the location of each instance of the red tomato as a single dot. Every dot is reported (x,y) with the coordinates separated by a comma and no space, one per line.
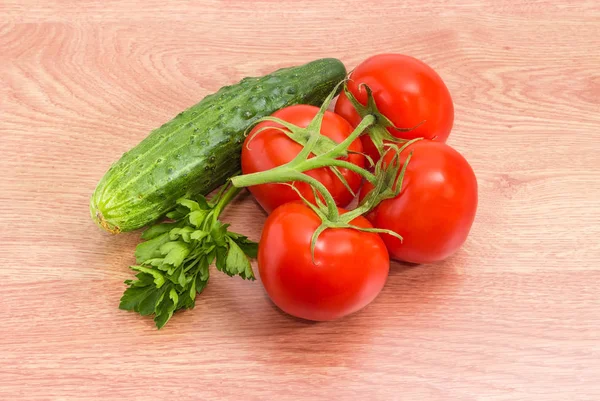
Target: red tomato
(406,91)
(351,266)
(436,207)
(271,148)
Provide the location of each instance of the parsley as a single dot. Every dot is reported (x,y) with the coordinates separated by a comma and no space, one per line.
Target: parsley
(173,261)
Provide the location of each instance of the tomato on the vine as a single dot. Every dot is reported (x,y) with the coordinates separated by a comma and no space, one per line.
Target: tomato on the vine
(406,91)
(350,266)
(265,149)
(435,208)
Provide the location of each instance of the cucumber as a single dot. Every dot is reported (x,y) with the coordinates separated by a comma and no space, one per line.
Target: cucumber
(199,149)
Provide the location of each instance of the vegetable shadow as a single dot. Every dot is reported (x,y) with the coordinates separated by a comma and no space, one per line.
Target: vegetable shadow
(408,301)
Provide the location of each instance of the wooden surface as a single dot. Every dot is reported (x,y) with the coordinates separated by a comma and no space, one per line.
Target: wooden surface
(515,315)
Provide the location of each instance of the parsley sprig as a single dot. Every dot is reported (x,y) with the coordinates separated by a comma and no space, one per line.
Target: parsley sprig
(173,261)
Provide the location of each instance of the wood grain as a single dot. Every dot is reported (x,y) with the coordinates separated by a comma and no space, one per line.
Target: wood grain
(515,315)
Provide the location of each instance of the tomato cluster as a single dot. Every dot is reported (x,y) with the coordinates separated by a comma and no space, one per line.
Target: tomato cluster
(346,267)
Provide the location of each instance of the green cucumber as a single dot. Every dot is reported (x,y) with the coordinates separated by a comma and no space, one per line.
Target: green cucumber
(200,148)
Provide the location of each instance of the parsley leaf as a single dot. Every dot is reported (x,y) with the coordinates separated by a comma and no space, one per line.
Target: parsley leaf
(249,247)
(150,249)
(237,262)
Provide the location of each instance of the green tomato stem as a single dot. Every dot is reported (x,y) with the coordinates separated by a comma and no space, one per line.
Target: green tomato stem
(293,171)
(279,174)
(332,210)
(285,174)
(317,162)
(342,147)
(301,163)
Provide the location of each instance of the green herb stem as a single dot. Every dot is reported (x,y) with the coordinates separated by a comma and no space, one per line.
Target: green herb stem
(225,198)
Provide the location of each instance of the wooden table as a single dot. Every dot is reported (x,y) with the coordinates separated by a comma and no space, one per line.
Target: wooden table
(515,315)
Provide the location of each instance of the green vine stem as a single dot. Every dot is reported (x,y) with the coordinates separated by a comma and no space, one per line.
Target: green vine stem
(286,174)
(327,154)
(378,132)
(387,179)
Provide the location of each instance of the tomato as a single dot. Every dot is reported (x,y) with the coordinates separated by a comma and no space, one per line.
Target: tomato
(406,91)
(350,267)
(264,150)
(435,208)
